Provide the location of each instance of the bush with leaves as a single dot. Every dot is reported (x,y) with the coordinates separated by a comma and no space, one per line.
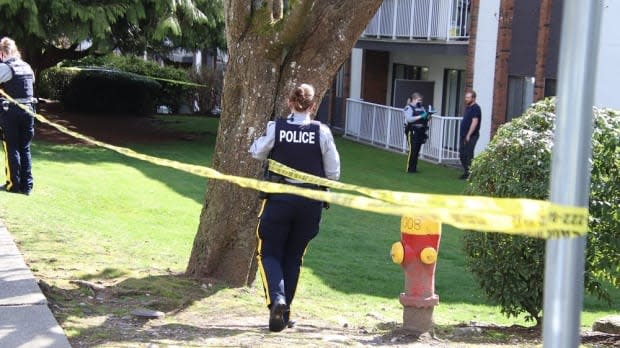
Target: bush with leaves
(171,94)
(517,163)
(53,82)
(99,90)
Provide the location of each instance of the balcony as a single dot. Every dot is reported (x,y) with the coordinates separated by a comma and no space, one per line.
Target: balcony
(383,126)
(444,20)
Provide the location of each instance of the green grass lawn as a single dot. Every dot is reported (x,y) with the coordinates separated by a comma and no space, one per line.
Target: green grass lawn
(95,214)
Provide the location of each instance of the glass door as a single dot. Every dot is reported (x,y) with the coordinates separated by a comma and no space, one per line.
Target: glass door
(453,89)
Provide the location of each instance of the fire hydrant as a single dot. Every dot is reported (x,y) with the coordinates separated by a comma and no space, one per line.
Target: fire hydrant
(417,254)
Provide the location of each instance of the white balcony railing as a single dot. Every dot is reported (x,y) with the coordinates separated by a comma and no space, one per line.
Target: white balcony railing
(383,126)
(420,19)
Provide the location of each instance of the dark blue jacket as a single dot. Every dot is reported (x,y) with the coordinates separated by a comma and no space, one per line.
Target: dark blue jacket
(21,85)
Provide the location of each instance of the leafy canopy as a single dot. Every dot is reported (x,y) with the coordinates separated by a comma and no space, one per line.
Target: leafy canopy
(48,31)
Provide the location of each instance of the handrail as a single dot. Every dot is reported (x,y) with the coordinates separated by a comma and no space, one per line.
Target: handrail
(382,126)
(420,19)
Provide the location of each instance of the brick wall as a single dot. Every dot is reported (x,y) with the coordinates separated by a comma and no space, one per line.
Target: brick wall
(471,47)
(504,42)
(544,27)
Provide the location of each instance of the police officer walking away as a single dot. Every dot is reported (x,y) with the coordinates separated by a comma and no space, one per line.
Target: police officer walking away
(288,222)
(415,130)
(470,131)
(17,80)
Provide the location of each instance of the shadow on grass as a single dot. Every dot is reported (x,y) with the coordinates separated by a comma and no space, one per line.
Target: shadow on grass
(104,308)
(351,254)
(185,184)
(166,293)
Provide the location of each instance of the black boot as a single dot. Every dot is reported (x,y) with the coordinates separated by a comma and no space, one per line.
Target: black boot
(277,312)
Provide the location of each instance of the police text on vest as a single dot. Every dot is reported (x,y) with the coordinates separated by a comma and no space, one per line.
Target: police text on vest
(297,137)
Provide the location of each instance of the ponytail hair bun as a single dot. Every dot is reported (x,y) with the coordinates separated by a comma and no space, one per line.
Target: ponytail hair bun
(302,97)
(9,48)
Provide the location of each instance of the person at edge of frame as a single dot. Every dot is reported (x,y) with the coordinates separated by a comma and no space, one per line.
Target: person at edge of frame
(416,127)
(287,223)
(17,80)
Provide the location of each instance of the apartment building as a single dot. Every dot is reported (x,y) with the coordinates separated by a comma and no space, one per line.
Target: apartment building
(506,50)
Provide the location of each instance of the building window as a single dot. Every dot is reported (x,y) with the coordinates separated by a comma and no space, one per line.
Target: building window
(407,72)
(520,95)
(550,87)
(453,88)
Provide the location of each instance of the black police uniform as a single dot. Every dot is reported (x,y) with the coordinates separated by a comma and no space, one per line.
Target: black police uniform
(18,127)
(288,222)
(416,133)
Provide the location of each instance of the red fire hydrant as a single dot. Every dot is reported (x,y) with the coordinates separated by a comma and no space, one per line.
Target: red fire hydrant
(417,254)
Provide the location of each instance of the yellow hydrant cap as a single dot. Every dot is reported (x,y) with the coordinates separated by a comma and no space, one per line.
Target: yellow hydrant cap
(397,253)
(428,255)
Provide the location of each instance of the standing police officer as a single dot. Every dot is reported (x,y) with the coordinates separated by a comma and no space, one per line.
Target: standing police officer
(17,80)
(415,130)
(288,222)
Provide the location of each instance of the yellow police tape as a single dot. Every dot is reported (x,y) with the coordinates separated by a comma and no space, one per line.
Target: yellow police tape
(509,215)
(525,217)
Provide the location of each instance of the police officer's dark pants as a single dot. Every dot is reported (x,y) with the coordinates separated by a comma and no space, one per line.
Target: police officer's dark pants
(466,153)
(287,224)
(18,128)
(415,145)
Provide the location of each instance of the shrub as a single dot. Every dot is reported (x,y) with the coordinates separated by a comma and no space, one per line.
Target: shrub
(517,163)
(97,90)
(171,94)
(53,82)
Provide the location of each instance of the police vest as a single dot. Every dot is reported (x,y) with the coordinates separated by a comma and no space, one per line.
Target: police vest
(298,146)
(21,85)
(418,110)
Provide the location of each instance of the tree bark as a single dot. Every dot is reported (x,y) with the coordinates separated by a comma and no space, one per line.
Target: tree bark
(267,58)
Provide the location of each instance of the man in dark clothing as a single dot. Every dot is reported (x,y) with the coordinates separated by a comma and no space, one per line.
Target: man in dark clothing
(17,80)
(470,131)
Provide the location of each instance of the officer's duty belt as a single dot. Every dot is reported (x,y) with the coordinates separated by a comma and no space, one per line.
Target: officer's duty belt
(304,185)
(24,101)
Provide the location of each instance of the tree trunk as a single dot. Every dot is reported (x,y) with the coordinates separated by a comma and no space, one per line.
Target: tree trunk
(268,56)
(41,56)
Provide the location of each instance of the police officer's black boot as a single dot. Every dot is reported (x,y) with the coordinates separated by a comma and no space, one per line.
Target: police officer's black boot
(277,312)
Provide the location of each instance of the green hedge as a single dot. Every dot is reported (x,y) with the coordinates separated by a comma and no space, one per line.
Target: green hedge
(99,90)
(171,94)
(53,82)
(517,163)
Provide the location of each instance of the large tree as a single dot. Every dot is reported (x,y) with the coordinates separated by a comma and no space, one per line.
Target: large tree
(272,46)
(48,31)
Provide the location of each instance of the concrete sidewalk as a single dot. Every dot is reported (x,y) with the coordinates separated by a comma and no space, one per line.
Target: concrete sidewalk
(25,318)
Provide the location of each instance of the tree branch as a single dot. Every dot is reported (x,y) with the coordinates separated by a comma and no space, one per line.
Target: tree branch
(337,23)
(237,17)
